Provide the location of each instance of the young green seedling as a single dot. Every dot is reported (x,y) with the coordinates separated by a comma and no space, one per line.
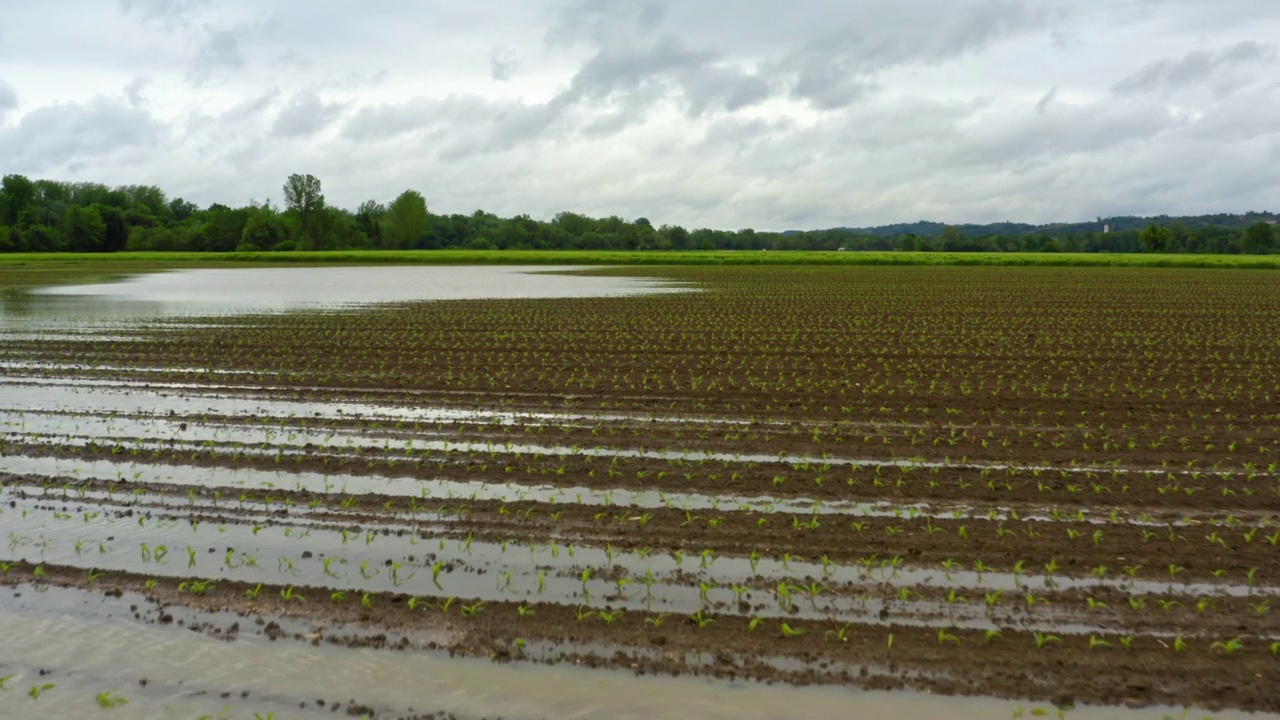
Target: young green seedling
(109,699)
(657,620)
(1043,639)
(841,633)
(1228,647)
(790,632)
(701,621)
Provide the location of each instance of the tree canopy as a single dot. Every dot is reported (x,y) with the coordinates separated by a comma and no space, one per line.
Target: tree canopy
(48,215)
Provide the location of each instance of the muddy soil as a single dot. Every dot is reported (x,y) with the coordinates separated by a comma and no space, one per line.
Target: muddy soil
(1069,426)
(1154,672)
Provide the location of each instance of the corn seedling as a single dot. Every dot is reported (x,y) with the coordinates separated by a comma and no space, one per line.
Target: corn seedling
(656,621)
(1043,639)
(1228,647)
(840,633)
(109,699)
(701,621)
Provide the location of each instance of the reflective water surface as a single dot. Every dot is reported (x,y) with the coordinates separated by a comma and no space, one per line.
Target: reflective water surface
(187,674)
(275,289)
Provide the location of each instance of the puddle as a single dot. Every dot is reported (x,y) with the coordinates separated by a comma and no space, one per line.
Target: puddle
(446,489)
(391,557)
(187,672)
(222,292)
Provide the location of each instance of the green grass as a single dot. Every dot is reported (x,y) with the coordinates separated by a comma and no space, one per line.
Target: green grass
(126,261)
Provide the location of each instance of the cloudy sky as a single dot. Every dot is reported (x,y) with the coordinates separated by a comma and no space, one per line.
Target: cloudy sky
(770,114)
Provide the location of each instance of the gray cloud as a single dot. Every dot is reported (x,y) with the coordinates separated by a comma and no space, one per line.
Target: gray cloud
(614,89)
(306,114)
(219,52)
(840,66)
(164,11)
(603,22)
(1191,68)
(54,135)
(387,121)
(8,100)
(252,109)
(503,64)
(1043,104)
(697,80)
(133,91)
(474,125)
(826,77)
(1066,130)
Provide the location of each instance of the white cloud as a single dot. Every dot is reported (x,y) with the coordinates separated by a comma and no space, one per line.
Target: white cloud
(728,113)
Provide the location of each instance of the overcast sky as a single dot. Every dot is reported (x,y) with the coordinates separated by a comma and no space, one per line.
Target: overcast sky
(770,114)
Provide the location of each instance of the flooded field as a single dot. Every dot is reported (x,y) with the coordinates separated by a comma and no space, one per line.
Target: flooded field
(714,492)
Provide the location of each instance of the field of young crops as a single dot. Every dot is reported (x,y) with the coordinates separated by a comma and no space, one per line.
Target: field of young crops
(1059,487)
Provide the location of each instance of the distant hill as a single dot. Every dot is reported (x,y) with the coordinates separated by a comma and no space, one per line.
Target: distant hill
(925,228)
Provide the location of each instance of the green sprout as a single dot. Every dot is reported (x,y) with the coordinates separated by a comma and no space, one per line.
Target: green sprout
(108,699)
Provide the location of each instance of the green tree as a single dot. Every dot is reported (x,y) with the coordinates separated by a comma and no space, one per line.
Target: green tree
(263,230)
(221,228)
(1258,238)
(406,220)
(45,238)
(1155,238)
(117,232)
(676,236)
(368,220)
(181,209)
(304,197)
(953,239)
(16,194)
(147,199)
(84,229)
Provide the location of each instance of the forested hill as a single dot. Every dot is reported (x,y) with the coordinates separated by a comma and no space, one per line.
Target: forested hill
(53,216)
(924,228)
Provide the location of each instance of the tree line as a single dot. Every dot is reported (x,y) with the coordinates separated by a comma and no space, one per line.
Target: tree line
(54,216)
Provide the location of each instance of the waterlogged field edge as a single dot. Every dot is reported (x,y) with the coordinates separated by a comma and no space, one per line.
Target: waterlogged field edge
(588,257)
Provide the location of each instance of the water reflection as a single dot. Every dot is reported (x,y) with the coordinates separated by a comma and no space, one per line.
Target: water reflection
(257,290)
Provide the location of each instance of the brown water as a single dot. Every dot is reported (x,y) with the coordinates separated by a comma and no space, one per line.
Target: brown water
(187,672)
